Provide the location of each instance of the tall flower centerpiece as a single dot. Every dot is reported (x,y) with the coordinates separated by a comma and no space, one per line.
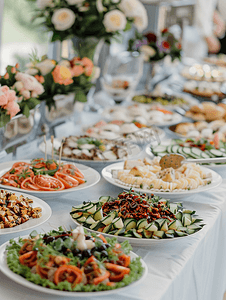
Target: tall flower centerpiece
(63,77)
(87,22)
(155,48)
(25,86)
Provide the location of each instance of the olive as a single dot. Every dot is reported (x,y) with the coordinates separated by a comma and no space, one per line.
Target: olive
(104,253)
(89,237)
(86,253)
(107,245)
(101,248)
(49,239)
(76,252)
(79,255)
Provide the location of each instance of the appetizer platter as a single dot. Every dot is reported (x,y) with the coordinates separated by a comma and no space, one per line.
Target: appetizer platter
(146,176)
(190,148)
(146,114)
(207,111)
(38,179)
(135,216)
(215,130)
(165,100)
(119,130)
(204,89)
(91,150)
(19,212)
(218,59)
(204,72)
(71,263)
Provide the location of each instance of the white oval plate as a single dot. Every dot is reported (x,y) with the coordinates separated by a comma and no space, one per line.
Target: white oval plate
(19,279)
(137,242)
(31,223)
(92,177)
(216,180)
(176,118)
(133,150)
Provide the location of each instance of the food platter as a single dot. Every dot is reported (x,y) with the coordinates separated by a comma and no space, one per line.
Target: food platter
(216,180)
(31,223)
(92,177)
(202,211)
(133,150)
(141,113)
(22,281)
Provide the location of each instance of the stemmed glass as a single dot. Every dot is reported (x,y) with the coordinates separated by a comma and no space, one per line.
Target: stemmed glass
(121,75)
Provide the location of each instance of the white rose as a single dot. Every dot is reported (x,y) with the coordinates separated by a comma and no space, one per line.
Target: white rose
(114,20)
(147,51)
(129,7)
(64,63)
(18,85)
(100,6)
(136,10)
(41,4)
(75,2)
(45,66)
(26,94)
(31,71)
(141,18)
(63,19)
(34,94)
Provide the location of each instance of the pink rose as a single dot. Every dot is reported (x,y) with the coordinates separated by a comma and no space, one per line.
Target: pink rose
(13,108)
(39,89)
(11,95)
(3,99)
(28,80)
(4,88)
(34,94)
(26,94)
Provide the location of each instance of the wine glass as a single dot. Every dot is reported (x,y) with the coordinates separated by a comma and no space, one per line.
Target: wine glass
(121,75)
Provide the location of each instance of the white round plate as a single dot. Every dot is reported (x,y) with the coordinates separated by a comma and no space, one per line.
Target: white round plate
(19,279)
(202,210)
(133,150)
(31,223)
(92,177)
(216,180)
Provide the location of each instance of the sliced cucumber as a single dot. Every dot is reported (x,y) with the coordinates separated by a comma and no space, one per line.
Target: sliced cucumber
(98,214)
(159,148)
(168,149)
(107,228)
(216,153)
(147,234)
(90,220)
(81,219)
(204,154)
(92,209)
(174,148)
(118,223)
(142,223)
(120,231)
(130,223)
(186,221)
(179,215)
(180,233)
(159,234)
(104,199)
(76,215)
(108,219)
(98,225)
(164,226)
(136,234)
(173,207)
(173,225)
(152,226)
(196,151)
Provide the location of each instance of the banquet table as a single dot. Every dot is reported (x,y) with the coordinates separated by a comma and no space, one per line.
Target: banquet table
(192,267)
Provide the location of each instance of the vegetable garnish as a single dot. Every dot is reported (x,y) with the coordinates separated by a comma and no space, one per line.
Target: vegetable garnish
(137,215)
(43,175)
(74,261)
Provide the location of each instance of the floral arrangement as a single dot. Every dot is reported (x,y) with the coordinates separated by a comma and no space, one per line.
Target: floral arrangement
(64,77)
(26,87)
(8,105)
(90,18)
(156,47)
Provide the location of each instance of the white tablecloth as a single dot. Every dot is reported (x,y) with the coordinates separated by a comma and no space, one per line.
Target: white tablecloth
(191,267)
